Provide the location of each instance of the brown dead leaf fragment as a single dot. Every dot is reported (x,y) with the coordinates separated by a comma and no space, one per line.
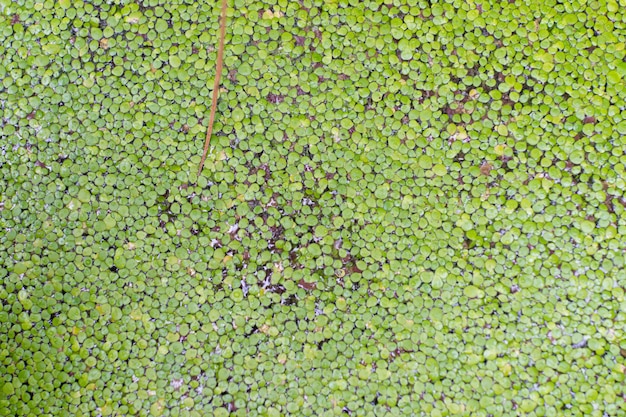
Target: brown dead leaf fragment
(486,168)
(309,286)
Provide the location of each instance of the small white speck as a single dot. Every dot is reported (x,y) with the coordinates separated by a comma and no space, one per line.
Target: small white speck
(177,383)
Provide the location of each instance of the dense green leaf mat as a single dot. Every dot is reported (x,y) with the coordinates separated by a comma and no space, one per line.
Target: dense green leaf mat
(408,209)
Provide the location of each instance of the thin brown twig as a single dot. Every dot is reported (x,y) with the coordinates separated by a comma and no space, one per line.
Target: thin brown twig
(216,84)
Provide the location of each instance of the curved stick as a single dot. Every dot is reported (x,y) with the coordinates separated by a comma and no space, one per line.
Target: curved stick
(216,84)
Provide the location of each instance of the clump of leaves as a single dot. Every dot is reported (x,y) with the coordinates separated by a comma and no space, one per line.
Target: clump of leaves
(412,208)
